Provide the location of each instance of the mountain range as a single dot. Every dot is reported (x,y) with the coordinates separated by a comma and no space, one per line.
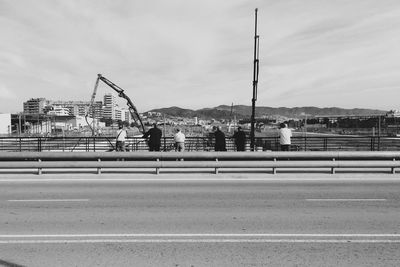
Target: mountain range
(242,111)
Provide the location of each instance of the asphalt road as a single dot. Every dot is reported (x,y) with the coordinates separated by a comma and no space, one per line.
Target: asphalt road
(199,221)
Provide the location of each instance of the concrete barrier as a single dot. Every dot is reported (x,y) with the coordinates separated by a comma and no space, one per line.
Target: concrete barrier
(200,160)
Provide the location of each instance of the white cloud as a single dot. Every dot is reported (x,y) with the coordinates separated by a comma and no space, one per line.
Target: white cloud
(6,93)
(199,53)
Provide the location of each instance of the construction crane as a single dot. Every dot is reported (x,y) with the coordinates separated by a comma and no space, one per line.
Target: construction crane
(132,109)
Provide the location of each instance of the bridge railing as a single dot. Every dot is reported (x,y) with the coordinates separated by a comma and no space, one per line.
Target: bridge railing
(101,143)
(215,161)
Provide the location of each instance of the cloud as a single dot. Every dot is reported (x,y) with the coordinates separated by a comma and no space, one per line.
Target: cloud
(199,53)
(6,93)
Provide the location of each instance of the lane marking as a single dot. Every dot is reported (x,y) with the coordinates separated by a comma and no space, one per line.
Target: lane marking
(48,200)
(65,241)
(199,238)
(346,199)
(201,235)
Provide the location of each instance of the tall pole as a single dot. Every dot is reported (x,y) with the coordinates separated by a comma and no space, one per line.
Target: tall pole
(255,83)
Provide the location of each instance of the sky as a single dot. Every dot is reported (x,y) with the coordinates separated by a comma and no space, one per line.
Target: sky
(199,54)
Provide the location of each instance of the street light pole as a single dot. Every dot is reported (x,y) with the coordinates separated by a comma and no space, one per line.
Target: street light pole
(255,83)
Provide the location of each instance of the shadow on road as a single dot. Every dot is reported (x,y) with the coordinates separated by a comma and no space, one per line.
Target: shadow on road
(9,264)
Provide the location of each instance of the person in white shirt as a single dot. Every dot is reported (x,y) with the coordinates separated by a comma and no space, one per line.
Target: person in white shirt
(121,138)
(179,139)
(285,134)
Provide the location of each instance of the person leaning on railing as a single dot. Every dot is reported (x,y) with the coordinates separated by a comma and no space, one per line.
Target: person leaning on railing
(179,139)
(285,135)
(240,139)
(154,135)
(121,138)
(220,143)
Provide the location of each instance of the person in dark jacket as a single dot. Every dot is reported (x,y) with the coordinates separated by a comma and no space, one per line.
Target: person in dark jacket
(155,138)
(220,144)
(240,139)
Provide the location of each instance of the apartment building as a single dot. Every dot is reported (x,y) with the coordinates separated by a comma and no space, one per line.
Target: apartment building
(109,106)
(76,108)
(35,105)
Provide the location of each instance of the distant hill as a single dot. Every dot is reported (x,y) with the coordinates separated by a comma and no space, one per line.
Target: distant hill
(242,111)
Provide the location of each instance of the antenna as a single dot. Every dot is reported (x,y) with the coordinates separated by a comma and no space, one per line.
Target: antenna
(255,82)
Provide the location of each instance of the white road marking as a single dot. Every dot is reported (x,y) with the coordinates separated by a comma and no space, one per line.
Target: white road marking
(48,200)
(69,241)
(202,235)
(199,238)
(346,199)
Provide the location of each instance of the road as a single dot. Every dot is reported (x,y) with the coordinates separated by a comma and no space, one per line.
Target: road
(208,220)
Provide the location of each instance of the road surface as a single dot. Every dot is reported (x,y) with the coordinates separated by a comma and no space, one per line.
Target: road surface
(200,220)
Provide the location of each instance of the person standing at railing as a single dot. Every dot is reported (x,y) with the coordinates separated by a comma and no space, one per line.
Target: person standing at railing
(285,135)
(154,135)
(121,138)
(240,139)
(179,139)
(220,143)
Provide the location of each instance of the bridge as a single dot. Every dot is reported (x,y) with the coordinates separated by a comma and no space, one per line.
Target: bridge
(307,208)
(103,143)
(99,162)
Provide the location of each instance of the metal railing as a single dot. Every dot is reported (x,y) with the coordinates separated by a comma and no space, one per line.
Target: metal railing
(215,161)
(98,144)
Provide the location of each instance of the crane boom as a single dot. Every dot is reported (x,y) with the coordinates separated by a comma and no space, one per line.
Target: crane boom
(132,109)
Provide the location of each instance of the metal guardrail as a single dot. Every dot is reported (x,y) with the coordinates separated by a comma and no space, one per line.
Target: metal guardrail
(102,143)
(200,160)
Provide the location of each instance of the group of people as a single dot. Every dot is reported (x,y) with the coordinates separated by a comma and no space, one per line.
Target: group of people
(154,139)
(220,144)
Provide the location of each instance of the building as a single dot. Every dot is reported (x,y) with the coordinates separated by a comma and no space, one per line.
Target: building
(126,115)
(5,123)
(97,110)
(76,108)
(35,105)
(59,111)
(393,114)
(118,114)
(109,106)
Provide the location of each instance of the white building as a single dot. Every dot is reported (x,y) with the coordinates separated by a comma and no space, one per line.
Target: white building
(59,111)
(118,114)
(125,115)
(109,106)
(394,113)
(5,123)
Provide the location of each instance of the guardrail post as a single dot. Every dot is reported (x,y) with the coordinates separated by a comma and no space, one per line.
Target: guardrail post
(216,169)
(39,169)
(158,169)
(372,143)
(379,143)
(39,144)
(99,168)
(393,169)
(333,170)
(274,169)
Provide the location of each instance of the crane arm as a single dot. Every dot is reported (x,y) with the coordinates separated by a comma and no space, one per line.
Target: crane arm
(91,106)
(132,109)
